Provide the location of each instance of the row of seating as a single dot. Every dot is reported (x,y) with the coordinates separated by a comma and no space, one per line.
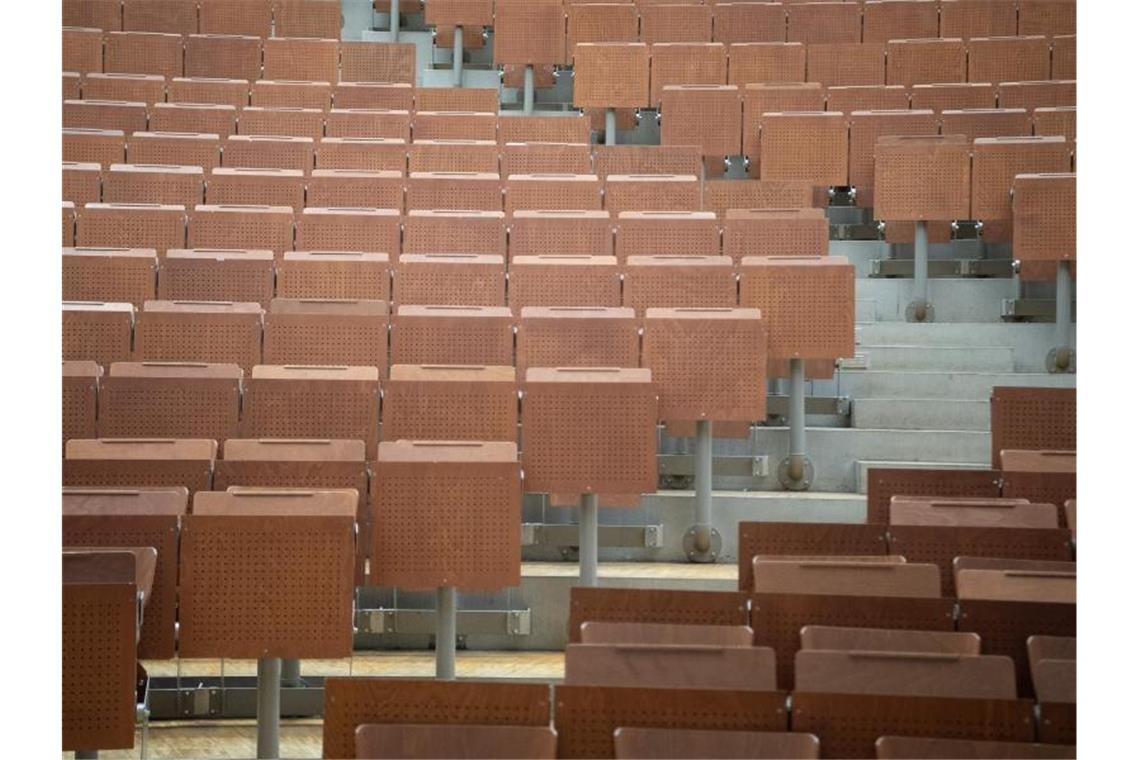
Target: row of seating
(260,18)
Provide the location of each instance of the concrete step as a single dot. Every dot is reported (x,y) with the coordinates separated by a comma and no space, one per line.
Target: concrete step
(954,299)
(920,414)
(961,358)
(1029,342)
(862,465)
(973,386)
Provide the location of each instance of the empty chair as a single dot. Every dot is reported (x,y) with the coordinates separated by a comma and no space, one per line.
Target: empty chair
(776,61)
(677,282)
(584,233)
(373,95)
(573,130)
(480,335)
(924,61)
(80,390)
(201,118)
(230,226)
(686,63)
(82,50)
(899,20)
(165,400)
(453,156)
(289,122)
(1034,95)
(865,129)
(748,22)
(764,98)
(647,159)
(299,59)
(143,53)
(595,22)
(847,63)
(349,229)
(134,463)
(442,740)
(293,463)
(989,513)
(775,232)
(824,22)
(239,186)
(810,147)
(450,279)
(150,183)
(451,402)
(781,540)
(137,225)
(291,154)
(97,331)
(1014,411)
(978,18)
(883,483)
(666,22)
(910,747)
(365,62)
(82,182)
(652,192)
(351,275)
(904,168)
(224,56)
(671,666)
(564,280)
(1053,665)
(123,275)
(1008,59)
(986,122)
(216,275)
(1010,580)
(455,125)
(361,122)
(443,231)
(105,114)
(952,96)
(998,160)
(544,158)
(233,92)
(454,190)
(719,196)
(672,608)
(1048,17)
(307,18)
(594,85)
(552,192)
(632,743)
(100,146)
(663,233)
(355,188)
(140,88)
(847,99)
(364,153)
(174,149)
(300,331)
(199,331)
(577,336)
(704,115)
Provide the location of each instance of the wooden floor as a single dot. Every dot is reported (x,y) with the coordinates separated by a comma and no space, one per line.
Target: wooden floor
(302,738)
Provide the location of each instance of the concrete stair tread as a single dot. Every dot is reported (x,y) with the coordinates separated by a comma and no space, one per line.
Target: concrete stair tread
(625,570)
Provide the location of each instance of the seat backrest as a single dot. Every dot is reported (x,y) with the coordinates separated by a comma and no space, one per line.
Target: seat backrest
(771,539)
(678,282)
(577,336)
(846,639)
(667,666)
(480,335)
(446,740)
(451,279)
(324,402)
(327,331)
(655,606)
(915,747)
(159,399)
(139,463)
(454,403)
(666,634)
(564,280)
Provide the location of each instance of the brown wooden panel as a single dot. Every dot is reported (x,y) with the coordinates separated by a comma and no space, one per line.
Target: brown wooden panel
(885,483)
(657,666)
(97,331)
(334,275)
(618,605)
(1005,626)
(139,463)
(922,178)
(912,747)
(452,403)
(452,335)
(913,674)
(564,280)
(804,539)
(170,400)
(468,740)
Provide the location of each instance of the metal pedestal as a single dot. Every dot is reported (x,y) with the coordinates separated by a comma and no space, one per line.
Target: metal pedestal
(588,540)
(920,309)
(702,541)
(290,672)
(528,89)
(796,472)
(611,126)
(269,707)
(445,633)
(394,24)
(1063,357)
(457,59)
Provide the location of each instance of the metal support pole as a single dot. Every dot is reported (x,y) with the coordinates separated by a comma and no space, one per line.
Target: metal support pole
(457,59)
(588,540)
(920,309)
(394,24)
(528,89)
(445,633)
(290,672)
(702,541)
(796,470)
(269,707)
(611,126)
(1061,358)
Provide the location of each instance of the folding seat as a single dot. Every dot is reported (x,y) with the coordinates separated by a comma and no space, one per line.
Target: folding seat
(573,336)
(455,125)
(721,616)
(569,129)
(900,747)
(686,63)
(657,742)
(450,279)
(542,192)
(905,172)
(454,403)
(231,92)
(105,114)
(241,227)
(229,186)
(80,391)
(911,62)
(545,158)
(865,128)
(453,156)
(263,152)
(575,233)
(133,463)
(952,96)
(479,335)
(393,63)
(986,122)
(1044,226)
(741,669)
(1047,17)
(1056,121)
(197,118)
(847,63)
(82,182)
(705,115)
(349,229)
(349,188)
(760,62)
(138,88)
(1064,65)
(170,16)
(748,22)
(1008,59)
(459,191)
(720,195)
(775,232)
(967,19)
(788,97)
(143,53)
(336,332)
(455,232)
(131,225)
(227,332)
(595,85)
(109,274)
(334,275)
(270,94)
(563,280)
(810,147)
(647,159)
(676,23)
(221,56)
(395,96)
(1032,95)
(152,399)
(824,22)
(666,233)
(245,17)
(174,148)
(97,331)
(450,100)
(290,122)
(788,542)
(1053,666)
(162,184)
(362,153)
(216,275)
(99,146)
(378,740)
(530,32)
(68,222)
(867,98)
(95,14)
(997,160)
(301,59)
(596,22)
(899,20)
(307,18)
(823,576)
(355,122)
(71,85)
(883,483)
(652,192)
(677,282)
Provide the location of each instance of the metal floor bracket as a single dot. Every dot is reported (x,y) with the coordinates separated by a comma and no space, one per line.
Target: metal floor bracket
(944,268)
(621,536)
(422,621)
